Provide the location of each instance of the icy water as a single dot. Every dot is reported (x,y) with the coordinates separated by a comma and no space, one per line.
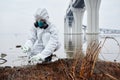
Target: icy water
(110,51)
(15,56)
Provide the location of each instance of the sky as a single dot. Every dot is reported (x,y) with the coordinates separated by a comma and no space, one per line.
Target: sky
(17,16)
(109,14)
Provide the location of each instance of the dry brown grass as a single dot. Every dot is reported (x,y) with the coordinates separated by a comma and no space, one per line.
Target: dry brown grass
(88,63)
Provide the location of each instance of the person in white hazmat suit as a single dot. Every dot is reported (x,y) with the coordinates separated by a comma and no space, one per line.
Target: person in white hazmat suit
(43,41)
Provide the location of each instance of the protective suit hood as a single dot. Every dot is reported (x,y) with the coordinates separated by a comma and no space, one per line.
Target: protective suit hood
(41,14)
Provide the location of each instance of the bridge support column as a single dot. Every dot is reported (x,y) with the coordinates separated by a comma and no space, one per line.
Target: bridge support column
(66,33)
(68,44)
(67,28)
(77,29)
(78,18)
(92,7)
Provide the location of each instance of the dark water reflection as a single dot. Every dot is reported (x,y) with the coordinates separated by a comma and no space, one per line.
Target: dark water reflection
(72,43)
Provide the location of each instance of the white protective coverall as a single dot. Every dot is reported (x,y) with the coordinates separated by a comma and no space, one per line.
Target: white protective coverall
(42,42)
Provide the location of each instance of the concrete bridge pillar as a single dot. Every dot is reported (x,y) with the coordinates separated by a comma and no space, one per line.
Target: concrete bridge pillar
(78,18)
(67,27)
(66,31)
(68,44)
(92,7)
(77,28)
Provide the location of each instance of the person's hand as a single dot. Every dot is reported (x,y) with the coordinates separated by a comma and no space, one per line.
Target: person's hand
(25,48)
(37,58)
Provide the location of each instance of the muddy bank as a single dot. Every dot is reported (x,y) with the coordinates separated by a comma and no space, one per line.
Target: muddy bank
(63,69)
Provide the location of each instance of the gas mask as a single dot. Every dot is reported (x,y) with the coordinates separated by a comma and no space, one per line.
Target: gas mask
(41,24)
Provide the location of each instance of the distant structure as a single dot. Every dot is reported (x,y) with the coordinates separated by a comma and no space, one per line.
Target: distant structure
(109,31)
(73,23)
(74,17)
